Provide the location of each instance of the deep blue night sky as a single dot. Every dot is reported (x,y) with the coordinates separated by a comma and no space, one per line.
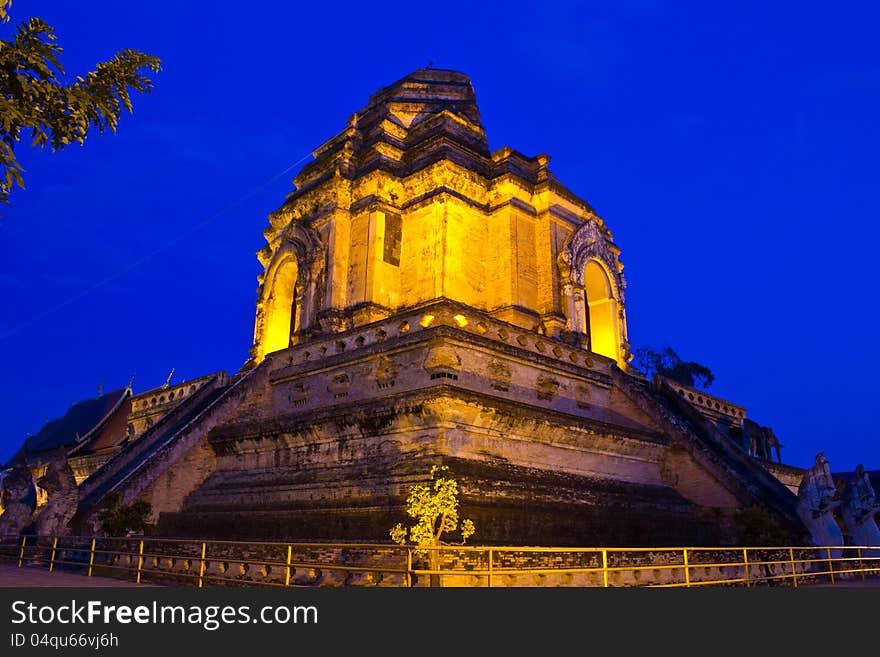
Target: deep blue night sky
(732,149)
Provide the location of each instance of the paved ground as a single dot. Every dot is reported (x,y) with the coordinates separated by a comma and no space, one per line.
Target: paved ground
(39,576)
(871,583)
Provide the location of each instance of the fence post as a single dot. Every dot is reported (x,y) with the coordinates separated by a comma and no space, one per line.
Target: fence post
(793,567)
(746,562)
(21,554)
(91,558)
(605,568)
(202,566)
(687,571)
(140,562)
(408,577)
(52,558)
(287,567)
(490,568)
(830,564)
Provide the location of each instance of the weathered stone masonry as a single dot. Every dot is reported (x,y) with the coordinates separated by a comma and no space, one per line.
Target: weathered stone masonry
(423,300)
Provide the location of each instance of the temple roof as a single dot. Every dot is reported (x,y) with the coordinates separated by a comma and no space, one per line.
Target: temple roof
(429,114)
(111,433)
(425,92)
(81,421)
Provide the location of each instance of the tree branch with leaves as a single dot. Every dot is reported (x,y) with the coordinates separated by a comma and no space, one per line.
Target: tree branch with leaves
(669,364)
(36,97)
(434,507)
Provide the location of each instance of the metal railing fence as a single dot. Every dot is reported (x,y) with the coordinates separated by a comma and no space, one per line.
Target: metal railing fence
(193,562)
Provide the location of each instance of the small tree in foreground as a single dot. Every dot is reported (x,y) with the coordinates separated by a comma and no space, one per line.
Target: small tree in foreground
(119,519)
(434,507)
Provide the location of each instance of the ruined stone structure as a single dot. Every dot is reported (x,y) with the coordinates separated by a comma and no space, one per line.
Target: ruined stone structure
(427,300)
(818,498)
(62,497)
(18,500)
(859,510)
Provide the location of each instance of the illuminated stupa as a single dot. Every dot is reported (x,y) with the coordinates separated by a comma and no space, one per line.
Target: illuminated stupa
(426,300)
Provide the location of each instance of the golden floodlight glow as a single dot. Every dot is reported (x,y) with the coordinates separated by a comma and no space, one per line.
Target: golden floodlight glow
(281,308)
(348,250)
(604,333)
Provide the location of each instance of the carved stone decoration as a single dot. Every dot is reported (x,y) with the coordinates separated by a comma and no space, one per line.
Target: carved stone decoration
(339,386)
(441,361)
(499,375)
(583,396)
(332,320)
(546,387)
(18,500)
(60,485)
(587,242)
(299,394)
(553,324)
(817,499)
(385,373)
(860,506)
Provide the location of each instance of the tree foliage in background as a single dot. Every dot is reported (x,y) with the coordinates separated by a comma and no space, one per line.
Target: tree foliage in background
(668,363)
(434,507)
(123,519)
(34,96)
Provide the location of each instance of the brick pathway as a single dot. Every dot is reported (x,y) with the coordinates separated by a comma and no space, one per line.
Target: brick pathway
(39,576)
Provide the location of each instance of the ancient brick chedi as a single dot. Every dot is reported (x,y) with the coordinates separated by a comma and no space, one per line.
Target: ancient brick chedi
(426,300)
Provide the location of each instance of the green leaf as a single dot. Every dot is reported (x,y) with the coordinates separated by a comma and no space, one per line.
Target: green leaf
(34,95)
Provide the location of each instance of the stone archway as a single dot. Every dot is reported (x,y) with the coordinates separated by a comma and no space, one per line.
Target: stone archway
(290,295)
(592,286)
(282,307)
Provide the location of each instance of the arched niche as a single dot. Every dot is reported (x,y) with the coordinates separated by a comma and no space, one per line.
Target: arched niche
(282,310)
(290,293)
(602,311)
(592,286)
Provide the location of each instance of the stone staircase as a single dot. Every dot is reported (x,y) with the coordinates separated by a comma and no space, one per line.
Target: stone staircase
(132,469)
(750,482)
